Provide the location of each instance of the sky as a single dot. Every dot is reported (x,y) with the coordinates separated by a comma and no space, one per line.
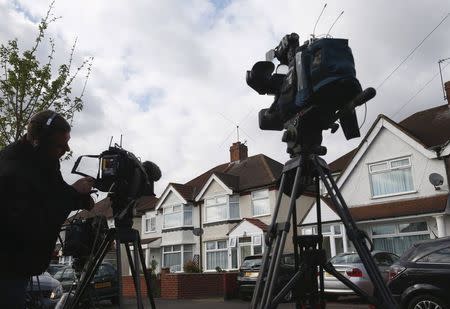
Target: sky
(169,76)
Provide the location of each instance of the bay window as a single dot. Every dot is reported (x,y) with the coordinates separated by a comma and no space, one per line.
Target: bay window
(391,177)
(176,256)
(397,238)
(221,208)
(177,216)
(216,254)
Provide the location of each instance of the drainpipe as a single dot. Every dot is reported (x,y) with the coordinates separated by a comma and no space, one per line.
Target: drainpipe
(200,260)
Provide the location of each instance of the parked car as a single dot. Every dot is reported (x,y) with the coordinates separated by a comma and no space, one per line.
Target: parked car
(105,284)
(421,277)
(44,293)
(54,268)
(249,271)
(351,266)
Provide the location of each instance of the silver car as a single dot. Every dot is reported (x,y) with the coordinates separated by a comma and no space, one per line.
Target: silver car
(350,265)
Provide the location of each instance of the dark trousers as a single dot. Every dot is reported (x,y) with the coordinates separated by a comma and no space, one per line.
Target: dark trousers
(12,292)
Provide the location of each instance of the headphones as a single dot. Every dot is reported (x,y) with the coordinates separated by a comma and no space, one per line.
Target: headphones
(45,132)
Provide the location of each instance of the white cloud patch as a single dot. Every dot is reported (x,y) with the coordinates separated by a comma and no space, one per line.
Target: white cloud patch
(170,75)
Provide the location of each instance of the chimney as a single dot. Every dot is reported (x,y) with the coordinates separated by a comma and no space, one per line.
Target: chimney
(238,152)
(447,91)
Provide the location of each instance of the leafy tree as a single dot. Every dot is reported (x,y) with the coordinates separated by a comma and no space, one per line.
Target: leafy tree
(27,86)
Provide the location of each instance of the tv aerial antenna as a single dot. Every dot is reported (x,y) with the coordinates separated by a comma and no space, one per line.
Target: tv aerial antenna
(440,72)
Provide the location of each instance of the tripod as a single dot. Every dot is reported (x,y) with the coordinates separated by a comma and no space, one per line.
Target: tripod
(121,235)
(300,174)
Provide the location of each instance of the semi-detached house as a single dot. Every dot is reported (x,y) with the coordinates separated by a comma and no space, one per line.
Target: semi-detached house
(218,217)
(386,184)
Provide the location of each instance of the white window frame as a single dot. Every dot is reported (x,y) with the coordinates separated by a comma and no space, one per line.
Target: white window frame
(388,169)
(181,251)
(183,210)
(397,232)
(216,250)
(226,204)
(260,198)
(149,228)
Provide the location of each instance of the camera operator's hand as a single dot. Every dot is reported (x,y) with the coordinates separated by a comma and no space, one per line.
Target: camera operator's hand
(84,185)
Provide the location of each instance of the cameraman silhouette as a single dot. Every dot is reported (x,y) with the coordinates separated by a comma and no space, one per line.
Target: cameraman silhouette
(34,203)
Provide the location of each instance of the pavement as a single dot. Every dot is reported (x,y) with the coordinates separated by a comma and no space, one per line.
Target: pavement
(219,303)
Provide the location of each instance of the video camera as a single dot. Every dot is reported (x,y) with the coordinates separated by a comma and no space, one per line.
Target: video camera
(319,88)
(122,175)
(119,171)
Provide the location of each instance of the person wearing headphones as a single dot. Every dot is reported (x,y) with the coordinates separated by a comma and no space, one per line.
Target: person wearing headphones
(34,203)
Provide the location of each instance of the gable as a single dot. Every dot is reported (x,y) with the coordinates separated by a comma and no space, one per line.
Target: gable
(245,227)
(328,215)
(383,124)
(171,199)
(387,145)
(214,186)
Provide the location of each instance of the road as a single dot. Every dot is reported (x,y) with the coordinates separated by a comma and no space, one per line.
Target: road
(219,303)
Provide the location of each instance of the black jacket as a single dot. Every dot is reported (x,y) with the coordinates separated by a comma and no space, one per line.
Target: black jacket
(34,203)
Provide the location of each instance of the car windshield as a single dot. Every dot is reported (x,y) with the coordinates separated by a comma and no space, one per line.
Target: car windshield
(346,259)
(251,263)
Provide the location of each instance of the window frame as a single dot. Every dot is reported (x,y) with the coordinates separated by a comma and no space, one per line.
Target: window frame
(215,250)
(184,208)
(227,205)
(268,213)
(149,228)
(182,252)
(389,169)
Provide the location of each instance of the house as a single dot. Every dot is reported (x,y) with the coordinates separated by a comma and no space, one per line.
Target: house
(385,181)
(217,218)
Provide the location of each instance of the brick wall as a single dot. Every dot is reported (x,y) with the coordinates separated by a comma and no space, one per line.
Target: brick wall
(129,290)
(202,285)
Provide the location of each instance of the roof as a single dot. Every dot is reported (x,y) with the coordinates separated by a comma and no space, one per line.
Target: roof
(253,221)
(146,203)
(258,223)
(149,240)
(435,133)
(252,172)
(392,209)
(186,191)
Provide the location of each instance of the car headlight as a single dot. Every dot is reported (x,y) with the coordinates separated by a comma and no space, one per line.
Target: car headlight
(57,292)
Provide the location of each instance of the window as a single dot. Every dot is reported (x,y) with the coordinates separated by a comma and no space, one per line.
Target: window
(222,208)
(439,257)
(399,237)
(260,203)
(150,224)
(177,216)
(391,177)
(174,255)
(216,254)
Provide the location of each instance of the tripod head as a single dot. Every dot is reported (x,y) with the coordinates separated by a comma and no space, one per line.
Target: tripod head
(303,132)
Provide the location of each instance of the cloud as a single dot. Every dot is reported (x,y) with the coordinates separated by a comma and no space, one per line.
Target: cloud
(169,76)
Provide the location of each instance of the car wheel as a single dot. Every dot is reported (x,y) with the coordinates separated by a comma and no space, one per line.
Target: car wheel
(427,302)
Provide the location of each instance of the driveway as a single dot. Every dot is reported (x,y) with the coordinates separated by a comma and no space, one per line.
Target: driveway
(219,303)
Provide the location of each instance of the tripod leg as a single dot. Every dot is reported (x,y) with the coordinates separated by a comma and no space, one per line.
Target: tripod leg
(385,300)
(138,279)
(269,243)
(146,274)
(319,247)
(131,262)
(119,270)
(91,268)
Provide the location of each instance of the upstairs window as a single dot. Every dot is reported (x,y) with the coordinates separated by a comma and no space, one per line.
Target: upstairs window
(260,203)
(177,216)
(391,177)
(150,224)
(221,208)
